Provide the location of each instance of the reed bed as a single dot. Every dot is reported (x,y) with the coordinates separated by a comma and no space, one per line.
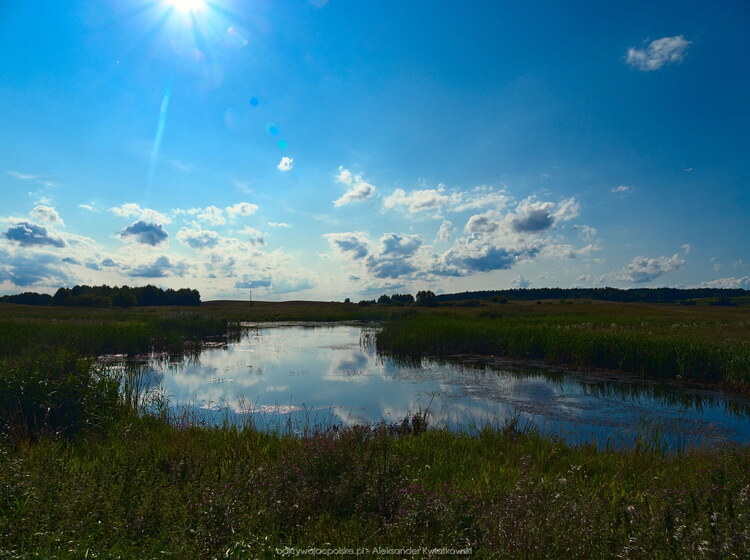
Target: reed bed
(654,348)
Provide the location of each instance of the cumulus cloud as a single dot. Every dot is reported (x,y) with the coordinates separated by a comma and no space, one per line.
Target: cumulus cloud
(46,214)
(416,201)
(445,231)
(643,269)
(400,245)
(349,245)
(212,215)
(532,216)
(131,209)
(667,50)
(256,237)
(391,259)
(28,234)
(486,223)
(389,268)
(478,254)
(145,233)
(358,188)
(285,164)
(159,268)
(279,224)
(198,238)
(241,209)
(441,199)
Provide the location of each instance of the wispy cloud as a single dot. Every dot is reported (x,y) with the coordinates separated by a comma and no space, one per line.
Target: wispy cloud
(667,50)
(279,224)
(38,179)
(622,189)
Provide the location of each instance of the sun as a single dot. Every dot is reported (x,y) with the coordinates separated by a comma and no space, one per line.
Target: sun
(186,6)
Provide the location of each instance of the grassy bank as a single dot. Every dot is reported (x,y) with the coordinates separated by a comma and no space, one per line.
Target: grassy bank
(659,342)
(96,332)
(86,472)
(150,490)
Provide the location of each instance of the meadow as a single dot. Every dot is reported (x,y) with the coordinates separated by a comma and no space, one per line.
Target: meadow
(87,470)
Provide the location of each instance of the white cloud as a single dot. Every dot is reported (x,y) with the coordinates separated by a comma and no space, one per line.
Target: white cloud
(279,224)
(256,237)
(622,189)
(667,50)
(441,199)
(241,209)
(731,283)
(483,223)
(198,239)
(416,201)
(131,209)
(159,268)
(520,282)
(33,178)
(535,217)
(46,214)
(444,233)
(285,164)
(359,189)
(86,207)
(643,269)
(587,233)
(212,215)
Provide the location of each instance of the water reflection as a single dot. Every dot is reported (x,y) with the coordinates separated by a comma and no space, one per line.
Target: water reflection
(302,375)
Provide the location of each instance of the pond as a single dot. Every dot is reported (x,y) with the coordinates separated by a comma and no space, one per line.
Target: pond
(299,376)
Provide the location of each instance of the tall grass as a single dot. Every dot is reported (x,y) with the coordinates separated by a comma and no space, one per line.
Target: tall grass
(151,490)
(649,349)
(174,333)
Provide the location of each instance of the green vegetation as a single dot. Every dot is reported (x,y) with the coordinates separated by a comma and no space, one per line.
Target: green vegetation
(148,489)
(88,470)
(660,342)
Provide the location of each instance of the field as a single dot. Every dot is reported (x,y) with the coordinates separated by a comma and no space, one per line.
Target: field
(85,471)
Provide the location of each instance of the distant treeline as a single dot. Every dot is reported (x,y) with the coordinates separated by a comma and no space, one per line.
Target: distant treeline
(108,296)
(648,295)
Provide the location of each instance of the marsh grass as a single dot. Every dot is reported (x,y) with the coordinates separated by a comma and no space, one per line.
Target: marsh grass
(92,468)
(150,489)
(649,347)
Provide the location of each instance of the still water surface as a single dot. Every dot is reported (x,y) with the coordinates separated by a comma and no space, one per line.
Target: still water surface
(297,376)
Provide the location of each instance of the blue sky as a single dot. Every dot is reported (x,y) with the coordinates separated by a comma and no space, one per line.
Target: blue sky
(322,150)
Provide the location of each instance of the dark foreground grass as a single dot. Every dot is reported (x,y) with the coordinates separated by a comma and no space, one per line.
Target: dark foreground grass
(151,490)
(708,349)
